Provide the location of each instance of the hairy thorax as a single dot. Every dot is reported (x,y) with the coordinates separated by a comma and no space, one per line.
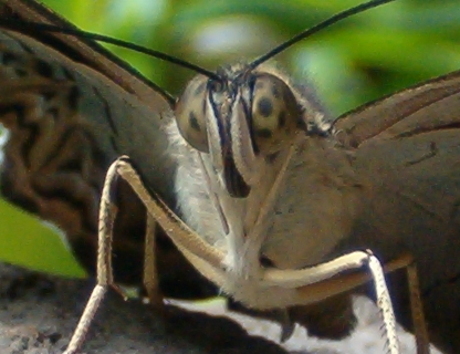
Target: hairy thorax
(311,211)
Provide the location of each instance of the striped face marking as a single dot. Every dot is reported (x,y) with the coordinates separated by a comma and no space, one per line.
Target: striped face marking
(246,113)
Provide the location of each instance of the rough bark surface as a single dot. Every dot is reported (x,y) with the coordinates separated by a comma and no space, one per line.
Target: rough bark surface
(38,314)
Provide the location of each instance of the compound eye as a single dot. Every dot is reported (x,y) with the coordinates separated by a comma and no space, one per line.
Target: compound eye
(190,113)
(275,113)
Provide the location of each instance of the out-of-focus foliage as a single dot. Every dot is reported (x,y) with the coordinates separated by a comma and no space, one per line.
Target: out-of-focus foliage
(374,53)
(363,58)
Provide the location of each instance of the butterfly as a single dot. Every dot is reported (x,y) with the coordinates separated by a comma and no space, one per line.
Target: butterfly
(393,135)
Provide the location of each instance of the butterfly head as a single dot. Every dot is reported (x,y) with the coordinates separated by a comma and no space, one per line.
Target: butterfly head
(244,122)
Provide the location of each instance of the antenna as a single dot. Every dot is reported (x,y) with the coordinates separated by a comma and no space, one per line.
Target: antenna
(21,25)
(320,26)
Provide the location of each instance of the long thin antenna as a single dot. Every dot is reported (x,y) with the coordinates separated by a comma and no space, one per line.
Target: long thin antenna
(320,26)
(20,25)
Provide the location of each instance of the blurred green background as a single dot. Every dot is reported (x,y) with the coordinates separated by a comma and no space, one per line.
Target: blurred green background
(361,59)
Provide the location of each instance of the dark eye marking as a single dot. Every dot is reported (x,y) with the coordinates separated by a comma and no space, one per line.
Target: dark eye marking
(193,121)
(282,119)
(264,133)
(265,107)
(275,91)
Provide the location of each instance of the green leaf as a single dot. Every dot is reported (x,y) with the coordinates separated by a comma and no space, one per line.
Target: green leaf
(26,241)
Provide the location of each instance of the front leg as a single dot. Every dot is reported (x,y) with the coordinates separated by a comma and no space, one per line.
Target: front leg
(107,214)
(327,279)
(150,277)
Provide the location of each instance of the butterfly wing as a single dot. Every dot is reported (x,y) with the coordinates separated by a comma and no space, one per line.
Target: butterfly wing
(73,110)
(85,51)
(407,151)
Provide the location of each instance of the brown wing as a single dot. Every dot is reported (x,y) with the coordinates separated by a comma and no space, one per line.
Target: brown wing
(407,150)
(71,109)
(84,51)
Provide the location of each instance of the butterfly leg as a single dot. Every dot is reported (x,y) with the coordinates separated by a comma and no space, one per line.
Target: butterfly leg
(384,303)
(418,318)
(150,274)
(383,299)
(207,259)
(107,213)
(327,279)
(338,284)
(313,284)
